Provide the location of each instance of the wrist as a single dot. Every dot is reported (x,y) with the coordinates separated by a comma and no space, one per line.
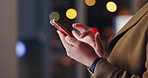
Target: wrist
(92,67)
(91,60)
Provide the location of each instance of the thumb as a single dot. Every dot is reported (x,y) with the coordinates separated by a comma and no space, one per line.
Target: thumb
(86,33)
(72,41)
(99,44)
(76,35)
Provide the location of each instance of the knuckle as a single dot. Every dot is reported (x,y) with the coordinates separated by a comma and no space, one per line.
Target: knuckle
(80,44)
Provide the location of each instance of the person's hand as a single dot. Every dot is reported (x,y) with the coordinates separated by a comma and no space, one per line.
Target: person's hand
(85,34)
(88,37)
(78,50)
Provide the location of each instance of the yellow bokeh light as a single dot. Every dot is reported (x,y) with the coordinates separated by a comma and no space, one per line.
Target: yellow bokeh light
(111,6)
(71,13)
(90,2)
(54,15)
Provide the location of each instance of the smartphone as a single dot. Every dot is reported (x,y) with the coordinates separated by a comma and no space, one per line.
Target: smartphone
(60,27)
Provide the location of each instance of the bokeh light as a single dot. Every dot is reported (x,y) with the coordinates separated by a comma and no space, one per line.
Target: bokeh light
(54,15)
(111,6)
(90,2)
(20,49)
(71,13)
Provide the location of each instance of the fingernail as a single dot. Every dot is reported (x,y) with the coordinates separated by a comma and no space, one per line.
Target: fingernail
(67,38)
(74,24)
(98,34)
(57,31)
(82,36)
(73,31)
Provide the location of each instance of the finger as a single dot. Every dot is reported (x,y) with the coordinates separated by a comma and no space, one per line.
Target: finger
(72,41)
(76,35)
(99,43)
(80,27)
(62,38)
(86,33)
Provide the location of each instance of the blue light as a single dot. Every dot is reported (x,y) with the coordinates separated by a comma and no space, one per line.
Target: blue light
(20,49)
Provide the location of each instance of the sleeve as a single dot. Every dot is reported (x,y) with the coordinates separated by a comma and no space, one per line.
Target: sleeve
(104,69)
(146,64)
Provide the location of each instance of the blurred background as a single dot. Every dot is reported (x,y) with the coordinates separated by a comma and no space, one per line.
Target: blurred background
(30,46)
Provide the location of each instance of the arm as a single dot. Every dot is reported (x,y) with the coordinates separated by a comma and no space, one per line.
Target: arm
(104,69)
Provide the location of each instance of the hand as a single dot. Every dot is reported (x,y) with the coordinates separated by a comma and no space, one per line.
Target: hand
(88,37)
(78,50)
(85,34)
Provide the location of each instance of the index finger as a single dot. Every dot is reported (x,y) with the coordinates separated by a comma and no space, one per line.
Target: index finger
(62,38)
(80,27)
